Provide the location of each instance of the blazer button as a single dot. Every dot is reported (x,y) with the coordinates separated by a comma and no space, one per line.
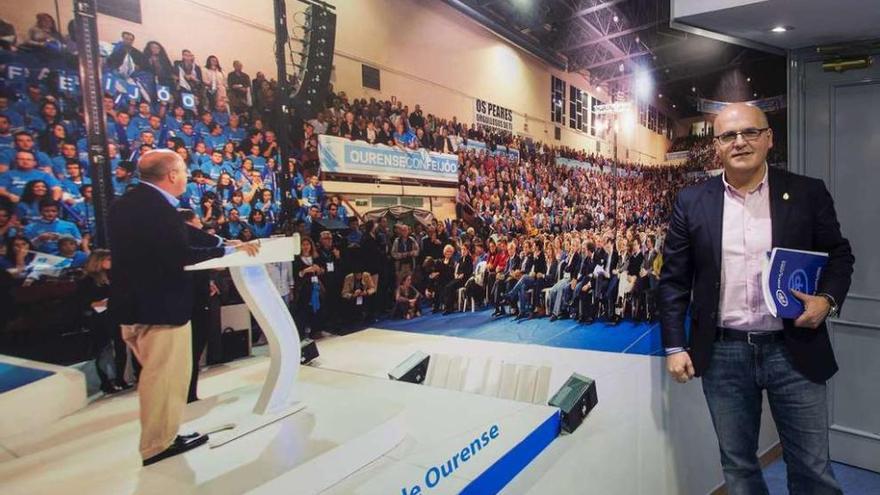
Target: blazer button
(713,315)
(717,285)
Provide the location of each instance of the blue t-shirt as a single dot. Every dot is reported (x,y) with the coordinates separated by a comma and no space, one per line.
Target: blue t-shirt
(221,118)
(406,139)
(7,157)
(73,188)
(262,231)
(202,130)
(61,227)
(27,107)
(141,123)
(195,192)
(271,210)
(313,195)
(123,136)
(28,212)
(78,259)
(7,142)
(16,121)
(83,214)
(119,186)
(172,124)
(236,135)
(189,140)
(258,161)
(234,229)
(15,180)
(215,142)
(244,209)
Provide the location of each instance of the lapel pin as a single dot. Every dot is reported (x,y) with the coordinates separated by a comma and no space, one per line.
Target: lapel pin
(785,196)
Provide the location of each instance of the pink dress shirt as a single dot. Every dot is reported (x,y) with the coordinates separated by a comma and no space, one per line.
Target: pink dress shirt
(745,240)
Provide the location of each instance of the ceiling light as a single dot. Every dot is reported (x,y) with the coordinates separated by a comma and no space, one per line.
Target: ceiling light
(748,79)
(755,95)
(637,39)
(621,67)
(673,105)
(781,29)
(693,89)
(644,85)
(615,18)
(660,95)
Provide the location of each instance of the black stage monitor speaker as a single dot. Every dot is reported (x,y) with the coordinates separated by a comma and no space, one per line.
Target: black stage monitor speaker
(308,351)
(575,400)
(412,370)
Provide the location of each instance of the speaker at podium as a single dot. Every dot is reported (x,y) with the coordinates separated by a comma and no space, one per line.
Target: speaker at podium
(279,396)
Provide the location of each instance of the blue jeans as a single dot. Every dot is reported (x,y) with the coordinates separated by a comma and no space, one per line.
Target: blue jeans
(518,293)
(555,297)
(733,385)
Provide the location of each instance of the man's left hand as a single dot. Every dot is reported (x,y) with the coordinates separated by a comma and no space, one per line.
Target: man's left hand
(816,308)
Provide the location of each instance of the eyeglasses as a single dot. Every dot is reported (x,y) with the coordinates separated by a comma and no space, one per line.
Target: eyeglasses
(749,134)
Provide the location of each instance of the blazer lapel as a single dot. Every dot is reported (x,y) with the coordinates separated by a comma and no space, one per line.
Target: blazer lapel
(779,204)
(713,209)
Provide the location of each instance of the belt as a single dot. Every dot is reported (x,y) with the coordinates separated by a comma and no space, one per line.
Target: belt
(753,338)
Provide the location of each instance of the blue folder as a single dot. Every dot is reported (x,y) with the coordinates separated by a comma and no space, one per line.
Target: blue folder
(786,270)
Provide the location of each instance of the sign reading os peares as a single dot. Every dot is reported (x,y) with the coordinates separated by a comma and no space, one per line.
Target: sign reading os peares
(492,115)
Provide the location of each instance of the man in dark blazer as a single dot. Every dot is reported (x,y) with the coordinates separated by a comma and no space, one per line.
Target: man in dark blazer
(151,297)
(718,237)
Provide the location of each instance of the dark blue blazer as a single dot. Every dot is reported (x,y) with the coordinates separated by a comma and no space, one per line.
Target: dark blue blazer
(150,247)
(802,216)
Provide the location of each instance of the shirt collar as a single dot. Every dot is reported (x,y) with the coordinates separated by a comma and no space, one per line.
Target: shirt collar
(760,186)
(174,202)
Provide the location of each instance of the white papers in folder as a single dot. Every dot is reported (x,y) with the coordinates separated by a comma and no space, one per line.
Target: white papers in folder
(600,271)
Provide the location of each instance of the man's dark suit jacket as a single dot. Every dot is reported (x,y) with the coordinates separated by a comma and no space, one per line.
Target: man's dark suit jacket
(149,243)
(202,278)
(802,216)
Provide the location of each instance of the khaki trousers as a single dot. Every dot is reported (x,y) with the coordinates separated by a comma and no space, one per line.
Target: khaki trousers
(165,354)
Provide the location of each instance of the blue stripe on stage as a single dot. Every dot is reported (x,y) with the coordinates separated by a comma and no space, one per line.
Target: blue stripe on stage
(499,474)
(12,376)
(626,337)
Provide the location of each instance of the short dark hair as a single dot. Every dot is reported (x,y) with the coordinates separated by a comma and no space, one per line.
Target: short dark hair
(48,202)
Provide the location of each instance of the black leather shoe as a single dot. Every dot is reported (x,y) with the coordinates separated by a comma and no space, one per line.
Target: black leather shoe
(553,318)
(110,388)
(181,444)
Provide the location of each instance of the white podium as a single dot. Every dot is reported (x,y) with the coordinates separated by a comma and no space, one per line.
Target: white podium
(279,397)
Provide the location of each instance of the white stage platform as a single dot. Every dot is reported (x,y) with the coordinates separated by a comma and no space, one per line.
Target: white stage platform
(647,435)
(403,430)
(25,408)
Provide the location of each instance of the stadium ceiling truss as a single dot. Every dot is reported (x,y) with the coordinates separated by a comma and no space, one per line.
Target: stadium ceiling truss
(609,41)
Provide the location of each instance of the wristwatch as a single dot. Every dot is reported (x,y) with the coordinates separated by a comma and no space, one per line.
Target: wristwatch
(833,311)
